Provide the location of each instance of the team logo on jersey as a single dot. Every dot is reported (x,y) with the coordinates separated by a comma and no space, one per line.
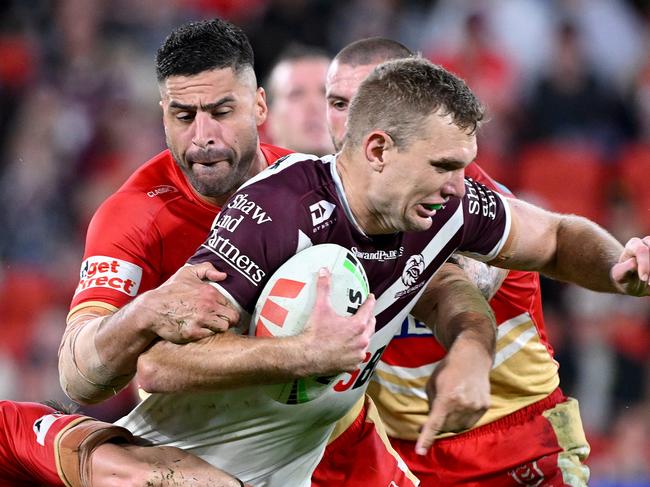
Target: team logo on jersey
(42,426)
(162,189)
(117,274)
(380,255)
(414,267)
(529,474)
(320,213)
(250,208)
(242,263)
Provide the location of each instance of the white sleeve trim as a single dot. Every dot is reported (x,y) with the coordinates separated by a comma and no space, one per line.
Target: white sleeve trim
(504,238)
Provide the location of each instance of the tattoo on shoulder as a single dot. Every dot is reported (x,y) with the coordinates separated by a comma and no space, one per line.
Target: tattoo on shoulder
(487,278)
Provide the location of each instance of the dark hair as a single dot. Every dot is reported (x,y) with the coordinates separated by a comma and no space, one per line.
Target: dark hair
(70,408)
(399,95)
(371,51)
(202,46)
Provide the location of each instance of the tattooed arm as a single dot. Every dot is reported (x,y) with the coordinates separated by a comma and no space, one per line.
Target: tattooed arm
(487,278)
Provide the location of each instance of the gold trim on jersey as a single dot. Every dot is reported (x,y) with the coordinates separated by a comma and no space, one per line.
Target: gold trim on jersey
(345,422)
(88,304)
(523,373)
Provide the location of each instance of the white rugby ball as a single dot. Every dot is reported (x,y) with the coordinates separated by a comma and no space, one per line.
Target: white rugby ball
(286,302)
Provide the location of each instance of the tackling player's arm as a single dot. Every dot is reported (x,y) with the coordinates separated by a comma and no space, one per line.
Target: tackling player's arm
(487,278)
(329,344)
(100,347)
(574,249)
(459,389)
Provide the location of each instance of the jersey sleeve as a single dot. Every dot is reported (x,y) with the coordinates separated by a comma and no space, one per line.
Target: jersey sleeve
(486,222)
(256,231)
(122,248)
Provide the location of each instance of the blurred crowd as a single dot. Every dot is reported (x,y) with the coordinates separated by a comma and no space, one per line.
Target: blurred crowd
(567,88)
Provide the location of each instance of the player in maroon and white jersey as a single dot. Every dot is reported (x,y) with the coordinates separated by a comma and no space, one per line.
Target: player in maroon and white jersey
(126,299)
(143,233)
(42,446)
(525,397)
(397,184)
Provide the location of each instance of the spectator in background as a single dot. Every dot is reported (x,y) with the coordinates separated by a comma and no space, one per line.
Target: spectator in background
(478,60)
(569,102)
(295,93)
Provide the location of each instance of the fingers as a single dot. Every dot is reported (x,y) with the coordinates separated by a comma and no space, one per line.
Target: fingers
(206,271)
(431,428)
(621,271)
(365,311)
(323,284)
(642,254)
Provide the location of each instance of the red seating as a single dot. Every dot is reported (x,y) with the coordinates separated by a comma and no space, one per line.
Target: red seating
(634,175)
(563,177)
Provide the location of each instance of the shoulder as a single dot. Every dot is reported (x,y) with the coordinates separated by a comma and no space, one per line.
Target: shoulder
(149,189)
(272,153)
(477,173)
(293,173)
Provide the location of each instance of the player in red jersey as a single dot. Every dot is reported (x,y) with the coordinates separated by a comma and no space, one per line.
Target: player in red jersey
(45,446)
(526,401)
(131,292)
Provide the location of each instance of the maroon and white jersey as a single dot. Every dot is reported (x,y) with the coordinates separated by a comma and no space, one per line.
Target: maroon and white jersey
(298,202)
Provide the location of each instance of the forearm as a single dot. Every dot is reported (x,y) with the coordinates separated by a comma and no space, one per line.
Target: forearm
(223,361)
(587,265)
(453,307)
(98,353)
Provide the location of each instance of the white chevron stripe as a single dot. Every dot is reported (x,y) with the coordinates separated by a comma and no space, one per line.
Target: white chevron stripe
(431,251)
(397,389)
(407,373)
(508,325)
(509,350)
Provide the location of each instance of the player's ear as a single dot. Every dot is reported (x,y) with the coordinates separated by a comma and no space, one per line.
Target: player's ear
(375,145)
(261,110)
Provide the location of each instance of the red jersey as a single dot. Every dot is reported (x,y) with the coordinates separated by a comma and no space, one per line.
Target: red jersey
(144,233)
(524,370)
(29,435)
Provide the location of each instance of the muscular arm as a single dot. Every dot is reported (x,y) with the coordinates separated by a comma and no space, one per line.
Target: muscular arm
(329,344)
(459,388)
(99,350)
(155,466)
(564,247)
(487,278)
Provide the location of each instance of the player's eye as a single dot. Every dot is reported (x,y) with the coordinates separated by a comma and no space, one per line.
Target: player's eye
(184,116)
(339,105)
(222,111)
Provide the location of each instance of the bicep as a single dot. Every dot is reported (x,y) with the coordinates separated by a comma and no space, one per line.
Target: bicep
(532,241)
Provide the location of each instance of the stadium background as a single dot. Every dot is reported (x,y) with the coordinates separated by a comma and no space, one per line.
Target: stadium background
(566,83)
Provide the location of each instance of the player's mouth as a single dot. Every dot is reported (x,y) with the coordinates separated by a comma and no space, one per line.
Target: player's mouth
(427,210)
(432,206)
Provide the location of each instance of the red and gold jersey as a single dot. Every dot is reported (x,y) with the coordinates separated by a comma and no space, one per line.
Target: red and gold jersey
(144,232)
(524,370)
(29,434)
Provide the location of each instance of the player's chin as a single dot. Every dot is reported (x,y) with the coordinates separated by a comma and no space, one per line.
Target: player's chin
(418,224)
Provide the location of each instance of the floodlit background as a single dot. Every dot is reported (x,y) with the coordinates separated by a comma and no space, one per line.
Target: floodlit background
(566,83)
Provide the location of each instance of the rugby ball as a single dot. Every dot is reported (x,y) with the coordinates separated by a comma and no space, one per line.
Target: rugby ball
(284,306)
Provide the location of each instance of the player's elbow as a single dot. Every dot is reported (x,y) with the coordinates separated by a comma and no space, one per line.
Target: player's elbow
(149,375)
(78,392)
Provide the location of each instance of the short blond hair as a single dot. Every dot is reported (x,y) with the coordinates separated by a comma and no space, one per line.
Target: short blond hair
(399,95)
